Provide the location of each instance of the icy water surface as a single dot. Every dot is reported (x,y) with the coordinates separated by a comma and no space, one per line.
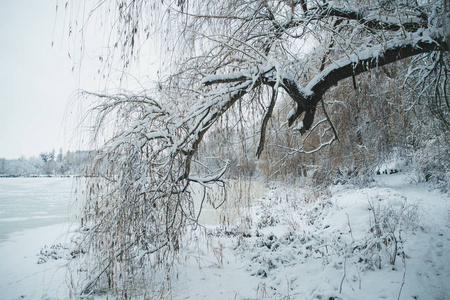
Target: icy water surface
(28,203)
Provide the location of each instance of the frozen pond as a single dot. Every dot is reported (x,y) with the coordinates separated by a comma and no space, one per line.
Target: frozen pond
(34,212)
(28,203)
(31,203)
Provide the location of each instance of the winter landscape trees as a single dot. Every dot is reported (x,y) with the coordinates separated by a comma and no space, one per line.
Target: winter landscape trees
(72,163)
(245,73)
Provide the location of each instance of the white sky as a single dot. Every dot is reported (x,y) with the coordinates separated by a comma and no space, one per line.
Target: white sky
(38,107)
(36,82)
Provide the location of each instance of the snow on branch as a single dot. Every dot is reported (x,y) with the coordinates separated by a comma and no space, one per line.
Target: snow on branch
(215,177)
(411,20)
(373,57)
(372,19)
(307,98)
(226,78)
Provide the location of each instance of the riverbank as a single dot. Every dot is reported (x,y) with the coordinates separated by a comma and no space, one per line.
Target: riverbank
(385,241)
(22,276)
(34,213)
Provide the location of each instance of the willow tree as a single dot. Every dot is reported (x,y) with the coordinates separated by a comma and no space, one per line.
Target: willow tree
(218,56)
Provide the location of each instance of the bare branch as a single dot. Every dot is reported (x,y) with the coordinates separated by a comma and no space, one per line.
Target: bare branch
(264,123)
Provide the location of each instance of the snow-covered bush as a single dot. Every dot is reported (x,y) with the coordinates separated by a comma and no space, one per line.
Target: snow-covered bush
(352,232)
(430,161)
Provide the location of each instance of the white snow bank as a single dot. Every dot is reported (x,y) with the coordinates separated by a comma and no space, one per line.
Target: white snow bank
(23,274)
(371,243)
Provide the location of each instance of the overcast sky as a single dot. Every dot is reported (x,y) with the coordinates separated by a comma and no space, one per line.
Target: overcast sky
(36,82)
(37,85)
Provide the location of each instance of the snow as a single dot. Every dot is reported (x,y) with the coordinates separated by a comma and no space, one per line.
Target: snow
(236,76)
(297,248)
(292,243)
(21,276)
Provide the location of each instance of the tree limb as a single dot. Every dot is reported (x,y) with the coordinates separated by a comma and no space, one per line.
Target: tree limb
(264,123)
(357,64)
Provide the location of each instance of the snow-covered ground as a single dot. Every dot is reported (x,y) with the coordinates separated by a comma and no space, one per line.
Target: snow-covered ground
(24,275)
(386,241)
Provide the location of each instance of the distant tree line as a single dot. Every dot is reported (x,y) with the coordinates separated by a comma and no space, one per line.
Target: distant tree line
(47,164)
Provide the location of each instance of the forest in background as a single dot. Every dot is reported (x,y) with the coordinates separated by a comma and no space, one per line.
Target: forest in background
(47,164)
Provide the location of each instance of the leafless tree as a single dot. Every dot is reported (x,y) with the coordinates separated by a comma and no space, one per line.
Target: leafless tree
(221,56)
